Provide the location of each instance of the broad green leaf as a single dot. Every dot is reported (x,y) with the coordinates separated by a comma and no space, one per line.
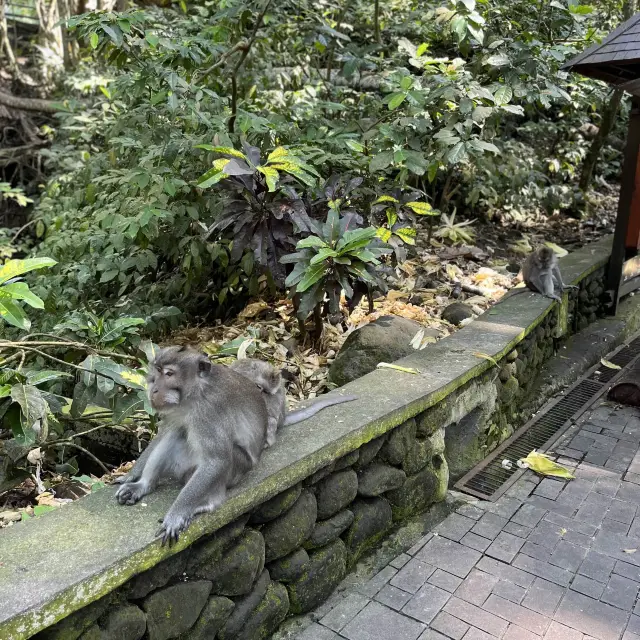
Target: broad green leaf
(331,228)
(152,39)
(485,146)
(356,239)
(20,291)
(312,275)
(229,151)
(126,406)
(475,32)
(383,234)
(278,155)
(354,145)
(5,390)
(406,83)
(365,256)
(513,108)
(311,241)
(392,217)
(457,154)
(469,4)
(11,313)
(381,161)
(358,269)
(212,177)
(503,95)
(385,199)
(13,268)
(396,100)
(422,208)
(94,40)
(297,274)
(40,509)
(406,234)
(114,33)
(39,377)
(34,407)
(498,60)
(322,255)
(271,175)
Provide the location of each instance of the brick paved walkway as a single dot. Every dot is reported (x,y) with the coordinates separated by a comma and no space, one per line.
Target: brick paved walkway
(552,560)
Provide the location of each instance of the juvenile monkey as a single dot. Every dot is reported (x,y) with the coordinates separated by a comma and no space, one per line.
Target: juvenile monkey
(541,272)
(269,381)
(212,432)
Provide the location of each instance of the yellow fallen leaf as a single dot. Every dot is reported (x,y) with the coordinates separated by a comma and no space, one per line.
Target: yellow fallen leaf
(559,251)
(608,364)
(386,365)
(629,550)
(486,356)
(563,531)
(542,464)
(253,309)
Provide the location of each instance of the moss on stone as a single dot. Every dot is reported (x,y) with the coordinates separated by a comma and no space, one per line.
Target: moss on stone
(277,505)
(372,520)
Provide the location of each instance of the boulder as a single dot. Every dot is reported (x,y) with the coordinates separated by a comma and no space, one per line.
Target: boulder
(456,313)
(335,492)
(384,340)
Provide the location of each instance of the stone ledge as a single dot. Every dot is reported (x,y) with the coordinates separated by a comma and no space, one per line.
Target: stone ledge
(54,565)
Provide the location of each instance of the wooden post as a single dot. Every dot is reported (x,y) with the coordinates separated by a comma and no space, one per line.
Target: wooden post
(627,233)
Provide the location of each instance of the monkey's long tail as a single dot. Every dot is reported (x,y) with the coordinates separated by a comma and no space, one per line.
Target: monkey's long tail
(322,403)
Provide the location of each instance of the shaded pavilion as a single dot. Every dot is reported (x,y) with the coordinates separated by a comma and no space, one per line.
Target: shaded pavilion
(616,61)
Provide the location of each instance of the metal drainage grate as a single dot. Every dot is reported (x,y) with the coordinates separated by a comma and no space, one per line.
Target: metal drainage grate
(489,480)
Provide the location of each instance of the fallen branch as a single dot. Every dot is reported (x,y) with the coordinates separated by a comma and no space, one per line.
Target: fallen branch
(27,104)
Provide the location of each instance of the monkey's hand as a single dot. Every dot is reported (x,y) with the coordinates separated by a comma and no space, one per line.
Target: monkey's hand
(131,492)
(172,525)
(571,286)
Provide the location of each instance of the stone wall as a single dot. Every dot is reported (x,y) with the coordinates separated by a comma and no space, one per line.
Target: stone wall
(326,493)
(286,557)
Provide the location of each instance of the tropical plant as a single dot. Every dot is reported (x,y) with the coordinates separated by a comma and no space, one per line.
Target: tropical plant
(455,232)
(333,261)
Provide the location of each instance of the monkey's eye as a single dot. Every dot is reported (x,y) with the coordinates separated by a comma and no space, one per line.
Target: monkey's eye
(168,373)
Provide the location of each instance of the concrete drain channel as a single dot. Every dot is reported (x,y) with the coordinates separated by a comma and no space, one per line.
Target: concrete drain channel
(489,480)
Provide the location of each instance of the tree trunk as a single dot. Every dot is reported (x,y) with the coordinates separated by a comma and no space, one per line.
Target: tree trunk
(608,119)
(609,113)
(5,43)
(27,104)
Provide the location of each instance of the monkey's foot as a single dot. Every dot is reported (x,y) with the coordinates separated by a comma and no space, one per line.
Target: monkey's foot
(571,286)
(131,492)
(171,527)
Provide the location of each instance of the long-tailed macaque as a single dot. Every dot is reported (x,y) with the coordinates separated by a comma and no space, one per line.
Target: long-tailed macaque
(269,381)
(213,427)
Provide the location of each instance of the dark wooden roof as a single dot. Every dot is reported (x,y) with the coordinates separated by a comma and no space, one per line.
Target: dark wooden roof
(615,60)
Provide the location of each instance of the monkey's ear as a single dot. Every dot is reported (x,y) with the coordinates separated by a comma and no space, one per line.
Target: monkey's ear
(204,364)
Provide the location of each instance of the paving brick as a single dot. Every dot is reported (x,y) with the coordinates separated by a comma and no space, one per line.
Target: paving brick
(576,491)
(344,612)
(629,492)
(617,463)
(470,511)
(430,634)
(549,488)
(489,526)
(371,587)
(614,545)
(568,555)
(620,592)
(634,624)
(582,443)
(587,587)
(418,545)
(630,636)
(449,556)
(634,530)
(316,632)
(377,622)
(571,453)
(505,572)
(543,597)
(444,580)
(504,506)
(562,508)
(518,633)
(477,634)
(627,570)
(400,561)
(614,526)
(547,534)
(454,527)
(597,566)
(528,515)
(412,576)
(476,617)
(476,587)
(475,542)
(583,528)
(523,488)
(536,551)
(426,603)
(543,570)
(509,591)
(607,485)
(393,597)
(519,530)
(593,509)
(598,619)
(505,547)
(622,511)
(516,614)
(557,631)
(632,477)
(451,627)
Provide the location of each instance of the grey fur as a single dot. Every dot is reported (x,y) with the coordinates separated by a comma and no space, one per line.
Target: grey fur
(212,433)
(269,381)
(541,273)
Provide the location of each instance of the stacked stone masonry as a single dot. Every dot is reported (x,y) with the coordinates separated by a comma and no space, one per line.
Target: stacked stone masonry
(289,554)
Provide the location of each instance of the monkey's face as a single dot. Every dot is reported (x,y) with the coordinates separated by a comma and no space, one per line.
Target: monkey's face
(165,386)
(546,256)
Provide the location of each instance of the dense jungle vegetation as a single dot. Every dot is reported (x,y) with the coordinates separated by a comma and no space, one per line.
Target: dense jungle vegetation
(166,166)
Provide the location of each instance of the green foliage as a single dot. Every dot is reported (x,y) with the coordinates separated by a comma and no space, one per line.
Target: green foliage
(455,232)
(332,262)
